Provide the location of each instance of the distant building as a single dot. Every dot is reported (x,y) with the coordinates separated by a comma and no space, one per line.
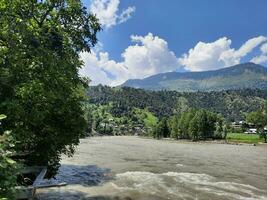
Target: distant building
(251,131)
(237,124)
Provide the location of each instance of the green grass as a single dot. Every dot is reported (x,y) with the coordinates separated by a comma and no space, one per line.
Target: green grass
(245,138)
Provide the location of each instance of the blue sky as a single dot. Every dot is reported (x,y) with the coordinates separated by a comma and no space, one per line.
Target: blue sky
(145,37)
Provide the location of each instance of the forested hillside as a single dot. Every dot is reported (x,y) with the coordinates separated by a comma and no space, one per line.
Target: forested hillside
(231,104)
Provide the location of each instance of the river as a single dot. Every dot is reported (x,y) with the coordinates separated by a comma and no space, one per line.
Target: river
(133,168)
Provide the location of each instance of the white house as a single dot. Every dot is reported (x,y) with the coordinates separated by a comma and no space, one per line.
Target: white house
(251,131)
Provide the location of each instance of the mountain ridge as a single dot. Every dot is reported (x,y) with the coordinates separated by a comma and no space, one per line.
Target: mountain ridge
(247,75)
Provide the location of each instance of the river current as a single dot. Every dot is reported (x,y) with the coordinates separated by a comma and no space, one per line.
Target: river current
(133,168)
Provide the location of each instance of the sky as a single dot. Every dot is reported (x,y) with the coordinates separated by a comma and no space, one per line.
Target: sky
(141,38)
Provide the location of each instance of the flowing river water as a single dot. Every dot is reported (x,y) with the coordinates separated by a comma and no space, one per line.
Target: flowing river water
(133,168)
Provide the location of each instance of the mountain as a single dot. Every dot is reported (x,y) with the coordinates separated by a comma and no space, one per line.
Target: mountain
(247,75)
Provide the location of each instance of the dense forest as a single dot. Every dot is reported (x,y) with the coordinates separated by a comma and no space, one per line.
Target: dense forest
(233,105)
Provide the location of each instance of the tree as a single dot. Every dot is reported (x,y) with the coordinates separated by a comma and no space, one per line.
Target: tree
(212,120)
(161,130)
(175,127)
(197,124)
(259,119)
(193,128)
(225,132)
(203,124)
(219,130)
(40,42)
(164,126)
(181,106)
(184,123)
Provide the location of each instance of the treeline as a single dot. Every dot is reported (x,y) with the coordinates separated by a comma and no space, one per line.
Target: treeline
(233,105)
(192,124)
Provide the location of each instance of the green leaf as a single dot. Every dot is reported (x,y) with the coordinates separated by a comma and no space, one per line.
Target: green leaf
(10,161)
(2,116)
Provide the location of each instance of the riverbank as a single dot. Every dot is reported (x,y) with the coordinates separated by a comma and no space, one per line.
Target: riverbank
(245,138)
(229,141)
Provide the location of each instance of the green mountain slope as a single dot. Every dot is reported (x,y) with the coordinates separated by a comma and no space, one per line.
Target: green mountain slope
(247,75)
(231,104)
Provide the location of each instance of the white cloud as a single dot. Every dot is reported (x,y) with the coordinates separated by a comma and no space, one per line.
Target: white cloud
(264,48)
(218,54)
(206,56)
(92,69)
(263,57)
(108,12)
(126,14)
(233,57)
(259,59)
(148,56)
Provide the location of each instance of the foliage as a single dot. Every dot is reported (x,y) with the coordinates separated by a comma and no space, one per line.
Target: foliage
(40,42)
(8,167)
(259,119)
(105,121)
(181,106)
(161,130)
(215,109)
(196,124)
(233,105)
(174,126)
(192,124)
(146,117)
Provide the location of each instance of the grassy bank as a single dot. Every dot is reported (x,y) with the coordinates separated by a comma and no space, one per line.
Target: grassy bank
(244,138)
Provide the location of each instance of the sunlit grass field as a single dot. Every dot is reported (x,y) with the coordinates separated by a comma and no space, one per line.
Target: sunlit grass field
(242,137)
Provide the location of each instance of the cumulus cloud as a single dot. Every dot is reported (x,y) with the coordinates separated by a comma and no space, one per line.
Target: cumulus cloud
(92,69)
(206,56)
(148,55)
(108,12)
(263,57)
(232,56)
(217,54)
(264,48)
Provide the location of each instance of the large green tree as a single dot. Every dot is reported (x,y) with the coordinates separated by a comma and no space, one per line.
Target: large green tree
(259,119)
(196,124)
(40,88)
(184,124)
